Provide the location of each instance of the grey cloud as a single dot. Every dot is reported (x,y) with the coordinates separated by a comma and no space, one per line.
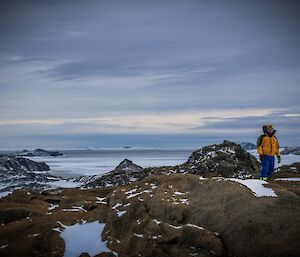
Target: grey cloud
(175,55)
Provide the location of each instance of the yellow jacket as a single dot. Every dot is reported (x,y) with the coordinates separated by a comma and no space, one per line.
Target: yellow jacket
(268,145)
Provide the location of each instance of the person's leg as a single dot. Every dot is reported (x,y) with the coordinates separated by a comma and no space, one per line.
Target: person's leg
(265,168)
(271,166)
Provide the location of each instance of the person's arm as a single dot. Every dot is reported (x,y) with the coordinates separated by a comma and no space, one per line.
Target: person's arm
(278,151)
(259,147)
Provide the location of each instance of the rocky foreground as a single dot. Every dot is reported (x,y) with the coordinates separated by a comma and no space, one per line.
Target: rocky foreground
(166,215)
(198,208)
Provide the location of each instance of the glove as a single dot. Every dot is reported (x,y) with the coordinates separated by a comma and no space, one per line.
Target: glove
(278,159)
(261,157)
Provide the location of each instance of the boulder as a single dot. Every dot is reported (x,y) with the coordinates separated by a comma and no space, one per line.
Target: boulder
(287,171)
(14,214)
(125,173)
(228,160)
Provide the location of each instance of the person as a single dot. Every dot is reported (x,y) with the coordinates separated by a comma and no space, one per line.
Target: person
(267,148)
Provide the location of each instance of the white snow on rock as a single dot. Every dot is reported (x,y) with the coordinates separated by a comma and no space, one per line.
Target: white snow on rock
(76,208)
(101,200)
(120,213)
(256,186)
(288,179)
(81,238)
(186,225)
(139,235)
(179,193)
(53,206)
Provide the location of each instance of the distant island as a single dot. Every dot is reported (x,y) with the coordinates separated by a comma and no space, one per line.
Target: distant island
(247,146)
(285,150)
(37,152)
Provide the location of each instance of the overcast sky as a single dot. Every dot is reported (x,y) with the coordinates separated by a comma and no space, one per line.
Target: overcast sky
(95,73)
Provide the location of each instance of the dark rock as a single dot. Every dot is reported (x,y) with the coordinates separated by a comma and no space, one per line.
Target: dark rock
(291,150)
(19,166)
(126,172)
(105,254)
(53,199)
(14,214)
(227,159)
(286,171)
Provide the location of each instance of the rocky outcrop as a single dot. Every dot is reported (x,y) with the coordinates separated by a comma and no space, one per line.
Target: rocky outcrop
(227,159)
(291,150)
(18,166)
(37,152)
(19,172)
(287,171)
(125,173)
(166,216)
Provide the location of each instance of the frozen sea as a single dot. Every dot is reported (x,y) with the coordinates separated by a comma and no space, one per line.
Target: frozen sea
(94,162)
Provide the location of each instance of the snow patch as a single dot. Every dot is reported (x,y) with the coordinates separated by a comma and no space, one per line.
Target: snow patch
(120,213)
(101,200)
(256,186)
(139,235)
(288,179)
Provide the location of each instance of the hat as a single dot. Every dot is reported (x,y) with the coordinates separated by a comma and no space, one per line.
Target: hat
(267,126)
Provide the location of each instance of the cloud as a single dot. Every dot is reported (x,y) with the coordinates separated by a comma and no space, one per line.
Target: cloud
(170,123)
(148,66)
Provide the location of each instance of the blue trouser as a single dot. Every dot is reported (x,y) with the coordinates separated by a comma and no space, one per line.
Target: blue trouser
(267,166)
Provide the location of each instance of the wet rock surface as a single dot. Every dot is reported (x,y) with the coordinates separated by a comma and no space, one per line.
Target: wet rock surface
(165,215)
